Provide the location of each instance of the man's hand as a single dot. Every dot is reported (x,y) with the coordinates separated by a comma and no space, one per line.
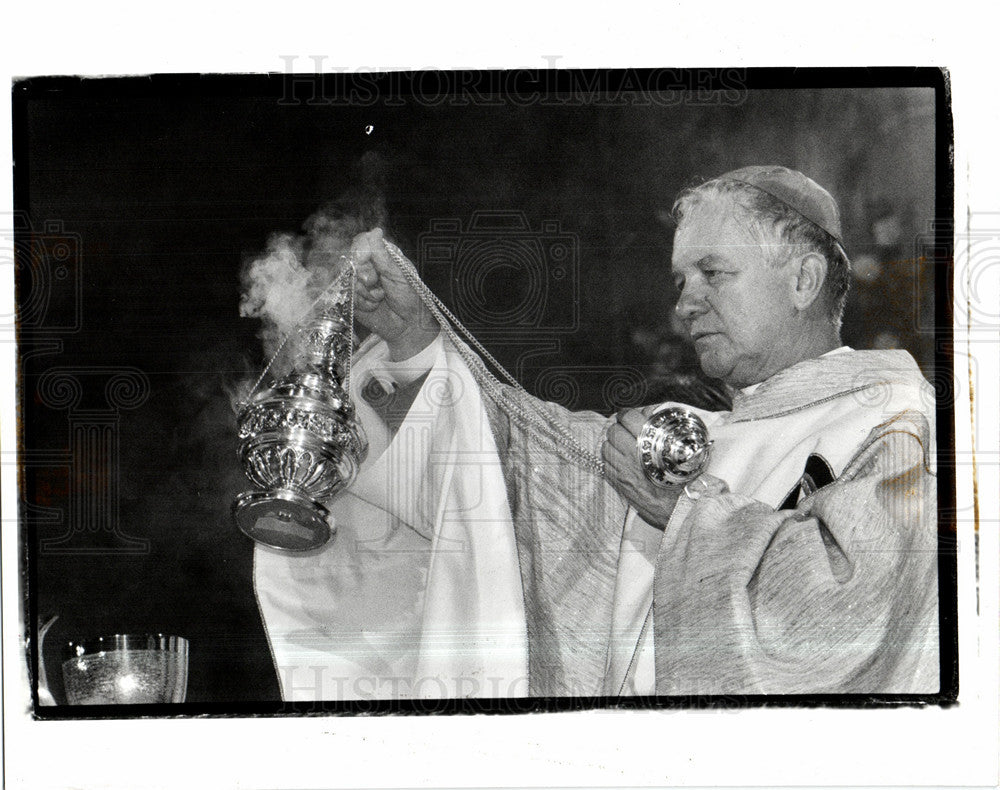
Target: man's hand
(623,472)
(385,302)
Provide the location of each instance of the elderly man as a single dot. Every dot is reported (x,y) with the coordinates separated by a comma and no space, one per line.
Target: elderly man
(802,561)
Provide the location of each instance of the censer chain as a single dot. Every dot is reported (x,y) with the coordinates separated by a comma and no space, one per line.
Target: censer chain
(523,411)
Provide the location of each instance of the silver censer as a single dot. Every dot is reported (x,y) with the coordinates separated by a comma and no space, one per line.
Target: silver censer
(300,442)
(673,446)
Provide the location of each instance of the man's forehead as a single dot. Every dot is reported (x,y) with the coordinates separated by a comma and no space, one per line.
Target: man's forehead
(716,226)
(711,218)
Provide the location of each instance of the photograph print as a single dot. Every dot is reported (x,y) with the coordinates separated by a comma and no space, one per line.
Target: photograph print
(485,391)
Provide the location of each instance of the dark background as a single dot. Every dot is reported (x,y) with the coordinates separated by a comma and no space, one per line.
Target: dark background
(161,190)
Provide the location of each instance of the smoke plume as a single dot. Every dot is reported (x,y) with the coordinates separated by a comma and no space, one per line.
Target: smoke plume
(282,283)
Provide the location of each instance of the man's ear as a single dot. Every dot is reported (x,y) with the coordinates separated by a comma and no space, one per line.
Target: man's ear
(810,277)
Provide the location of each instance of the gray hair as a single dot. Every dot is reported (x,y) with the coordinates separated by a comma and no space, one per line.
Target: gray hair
(771,219)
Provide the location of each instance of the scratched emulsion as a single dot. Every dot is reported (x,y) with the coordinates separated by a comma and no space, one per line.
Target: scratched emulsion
(972,437)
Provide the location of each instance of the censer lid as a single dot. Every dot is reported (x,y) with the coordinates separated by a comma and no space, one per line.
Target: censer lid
(282,519)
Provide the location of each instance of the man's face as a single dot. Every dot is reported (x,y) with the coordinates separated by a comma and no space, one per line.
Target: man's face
(735,303)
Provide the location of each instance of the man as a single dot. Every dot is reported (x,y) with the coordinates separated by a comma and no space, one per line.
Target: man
(802,561)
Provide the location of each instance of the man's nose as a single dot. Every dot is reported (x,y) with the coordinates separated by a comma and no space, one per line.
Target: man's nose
(691,303)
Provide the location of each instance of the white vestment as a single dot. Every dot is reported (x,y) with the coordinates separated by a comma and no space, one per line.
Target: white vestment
(807,565)
(418,593)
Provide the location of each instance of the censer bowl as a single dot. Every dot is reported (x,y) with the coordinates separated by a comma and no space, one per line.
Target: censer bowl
(300,444)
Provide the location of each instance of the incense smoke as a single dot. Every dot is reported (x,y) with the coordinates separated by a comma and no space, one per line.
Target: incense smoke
(276,288)
(281,284)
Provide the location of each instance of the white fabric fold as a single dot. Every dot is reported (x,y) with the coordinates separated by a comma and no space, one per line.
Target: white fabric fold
(419,594)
